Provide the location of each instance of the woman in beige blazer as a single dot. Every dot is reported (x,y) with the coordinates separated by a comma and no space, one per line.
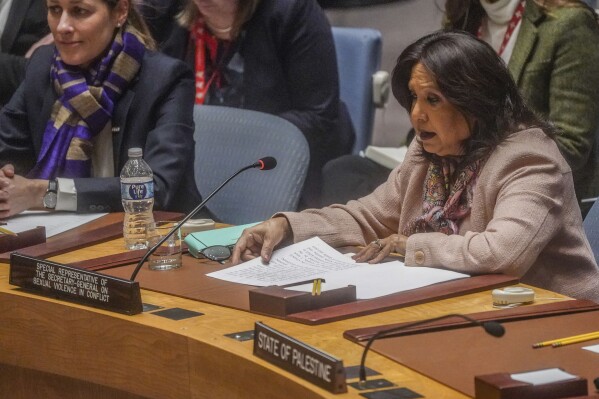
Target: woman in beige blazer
(483,189)
(551,48)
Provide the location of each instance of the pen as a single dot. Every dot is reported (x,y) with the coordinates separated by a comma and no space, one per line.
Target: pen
(302,282)
(317,286)
(553,342)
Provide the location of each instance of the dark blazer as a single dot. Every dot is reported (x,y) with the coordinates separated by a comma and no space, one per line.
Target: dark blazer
(290,70)
(26,24)
(155,113)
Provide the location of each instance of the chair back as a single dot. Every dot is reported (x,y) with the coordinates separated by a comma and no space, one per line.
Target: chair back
(591,228)
(227,139)
(358,59)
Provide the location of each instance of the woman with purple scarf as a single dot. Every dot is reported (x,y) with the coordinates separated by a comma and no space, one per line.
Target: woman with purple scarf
(99,90)
(483,188)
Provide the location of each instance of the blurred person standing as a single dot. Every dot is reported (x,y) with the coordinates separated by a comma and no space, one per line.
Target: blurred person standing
(273,56)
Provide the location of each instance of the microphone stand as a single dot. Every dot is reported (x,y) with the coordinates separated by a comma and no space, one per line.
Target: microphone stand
(491,327)
(258,164)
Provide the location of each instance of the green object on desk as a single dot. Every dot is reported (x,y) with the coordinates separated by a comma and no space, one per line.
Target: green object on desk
(225,236)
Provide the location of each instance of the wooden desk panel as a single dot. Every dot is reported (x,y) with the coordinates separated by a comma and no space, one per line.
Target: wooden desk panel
(461,354)
(95,354)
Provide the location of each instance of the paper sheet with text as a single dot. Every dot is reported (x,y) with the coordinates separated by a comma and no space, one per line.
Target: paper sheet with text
(313,258)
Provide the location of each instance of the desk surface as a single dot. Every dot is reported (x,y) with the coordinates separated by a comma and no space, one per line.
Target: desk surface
(56,349)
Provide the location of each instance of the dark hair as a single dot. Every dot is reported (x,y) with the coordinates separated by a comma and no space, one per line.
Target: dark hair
(475,80)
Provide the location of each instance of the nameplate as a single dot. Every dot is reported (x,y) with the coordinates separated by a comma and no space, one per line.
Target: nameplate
(299,358)
(72,284)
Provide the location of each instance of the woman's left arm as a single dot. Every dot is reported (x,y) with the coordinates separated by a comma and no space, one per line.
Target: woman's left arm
(170,146)
(522,205)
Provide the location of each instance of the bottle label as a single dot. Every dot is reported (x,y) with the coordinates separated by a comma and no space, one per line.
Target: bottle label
(137,191)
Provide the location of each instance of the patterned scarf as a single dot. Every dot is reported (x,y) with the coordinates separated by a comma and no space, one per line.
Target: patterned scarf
(84,107)
(444,205)
(211,58)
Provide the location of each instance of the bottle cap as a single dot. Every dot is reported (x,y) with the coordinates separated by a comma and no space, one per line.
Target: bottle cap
(195,225)
(135,152)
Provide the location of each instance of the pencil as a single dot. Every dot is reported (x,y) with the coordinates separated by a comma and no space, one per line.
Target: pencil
(553,341)
(575,340)
(4,230)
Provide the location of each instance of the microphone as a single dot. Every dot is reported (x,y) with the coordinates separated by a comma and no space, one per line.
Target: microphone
(493,328)
(266,163)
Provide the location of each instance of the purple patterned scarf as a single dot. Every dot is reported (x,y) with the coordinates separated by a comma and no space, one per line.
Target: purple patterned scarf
(84,107)
(443,205)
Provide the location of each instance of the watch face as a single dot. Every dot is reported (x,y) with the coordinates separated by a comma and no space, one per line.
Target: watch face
(50,200)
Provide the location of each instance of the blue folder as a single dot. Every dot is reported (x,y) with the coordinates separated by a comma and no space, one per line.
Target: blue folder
(225,236)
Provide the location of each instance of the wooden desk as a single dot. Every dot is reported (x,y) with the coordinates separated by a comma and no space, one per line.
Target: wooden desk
(51,349)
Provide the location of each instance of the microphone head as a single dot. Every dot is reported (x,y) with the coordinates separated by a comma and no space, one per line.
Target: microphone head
(494,328)
(267,163)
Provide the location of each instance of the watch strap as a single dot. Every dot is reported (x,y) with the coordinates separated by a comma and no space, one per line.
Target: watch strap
(52,186)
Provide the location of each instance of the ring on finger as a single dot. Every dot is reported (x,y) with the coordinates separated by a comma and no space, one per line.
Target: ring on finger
(377,242)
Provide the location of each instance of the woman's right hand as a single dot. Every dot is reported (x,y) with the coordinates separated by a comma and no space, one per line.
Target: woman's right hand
(261,240)
(18,193)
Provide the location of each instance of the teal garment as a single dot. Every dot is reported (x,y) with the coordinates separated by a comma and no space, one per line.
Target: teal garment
(555,63)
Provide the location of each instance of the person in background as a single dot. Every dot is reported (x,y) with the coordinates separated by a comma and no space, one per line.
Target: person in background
(99,90)
(551,48)
(483,188)
(22,24)
(273,56)
(159,16)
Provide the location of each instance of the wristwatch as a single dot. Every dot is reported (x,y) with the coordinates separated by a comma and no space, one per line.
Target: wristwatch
(51,194)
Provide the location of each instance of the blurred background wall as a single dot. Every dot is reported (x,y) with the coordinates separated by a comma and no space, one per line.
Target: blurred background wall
(400,22)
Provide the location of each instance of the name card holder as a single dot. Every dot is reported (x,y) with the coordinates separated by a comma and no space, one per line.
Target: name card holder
(9,242)
(279,301)
(501,386)
(75,285)
(299,359)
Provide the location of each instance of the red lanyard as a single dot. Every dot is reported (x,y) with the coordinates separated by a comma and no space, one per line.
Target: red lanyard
(203,39)
(516,18)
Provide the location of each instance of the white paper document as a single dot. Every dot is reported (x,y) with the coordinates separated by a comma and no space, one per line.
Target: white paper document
(592,348)
(55,222)
(540,377)
(313,258)
(302,261)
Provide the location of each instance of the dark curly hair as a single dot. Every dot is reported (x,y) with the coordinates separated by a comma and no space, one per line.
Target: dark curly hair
(475,80)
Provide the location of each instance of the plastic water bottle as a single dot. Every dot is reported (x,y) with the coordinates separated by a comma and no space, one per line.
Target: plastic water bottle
(137,194)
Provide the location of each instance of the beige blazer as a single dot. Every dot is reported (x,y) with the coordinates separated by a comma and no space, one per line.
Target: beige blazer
(524,220)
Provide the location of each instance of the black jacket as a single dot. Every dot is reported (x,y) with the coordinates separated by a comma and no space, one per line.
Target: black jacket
(26,24)
(155,113)
(290,70)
